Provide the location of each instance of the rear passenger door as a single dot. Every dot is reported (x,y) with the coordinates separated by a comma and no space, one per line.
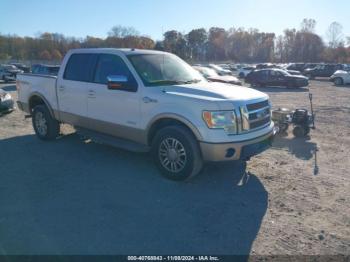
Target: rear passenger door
(73,86)
(114,111)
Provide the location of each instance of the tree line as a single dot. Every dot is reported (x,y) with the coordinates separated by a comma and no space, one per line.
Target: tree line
(198,45)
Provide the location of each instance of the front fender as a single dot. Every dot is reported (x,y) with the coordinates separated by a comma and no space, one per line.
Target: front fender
(177,117)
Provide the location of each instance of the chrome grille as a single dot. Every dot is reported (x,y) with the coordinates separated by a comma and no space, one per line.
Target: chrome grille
(259,105)
(255,116)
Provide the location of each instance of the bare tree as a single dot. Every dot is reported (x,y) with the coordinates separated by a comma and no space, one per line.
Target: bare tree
(335,35)
(123,31)
(308,25)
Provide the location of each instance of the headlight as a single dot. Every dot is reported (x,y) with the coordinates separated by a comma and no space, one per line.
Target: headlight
(5,97)
(221,120)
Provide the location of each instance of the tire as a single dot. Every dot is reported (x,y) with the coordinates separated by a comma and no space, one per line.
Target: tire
(176,153)
(338,81)
(299,131)
(283,127)
(45,126)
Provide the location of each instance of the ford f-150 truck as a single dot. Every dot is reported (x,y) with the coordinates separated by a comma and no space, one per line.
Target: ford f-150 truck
(149,101)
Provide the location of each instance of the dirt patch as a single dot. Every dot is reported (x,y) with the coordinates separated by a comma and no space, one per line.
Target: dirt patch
(294,198)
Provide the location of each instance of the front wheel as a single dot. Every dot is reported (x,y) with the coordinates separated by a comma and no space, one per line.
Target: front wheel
(176,153)
(45,126)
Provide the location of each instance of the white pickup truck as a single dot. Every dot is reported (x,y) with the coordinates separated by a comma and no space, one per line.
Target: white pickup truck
(149,101)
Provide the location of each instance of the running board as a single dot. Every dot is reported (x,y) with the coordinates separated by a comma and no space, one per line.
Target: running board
(100,138)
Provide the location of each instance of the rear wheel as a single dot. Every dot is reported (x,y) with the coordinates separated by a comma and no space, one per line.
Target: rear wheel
(338,81)
(45,126)
(176,153)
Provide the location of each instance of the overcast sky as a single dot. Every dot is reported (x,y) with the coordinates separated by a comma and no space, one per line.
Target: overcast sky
(79,18)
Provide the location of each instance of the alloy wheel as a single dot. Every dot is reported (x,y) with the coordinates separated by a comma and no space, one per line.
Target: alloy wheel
(172,155)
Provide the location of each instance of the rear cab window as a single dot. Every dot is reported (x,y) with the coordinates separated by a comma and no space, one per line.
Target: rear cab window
(80,67)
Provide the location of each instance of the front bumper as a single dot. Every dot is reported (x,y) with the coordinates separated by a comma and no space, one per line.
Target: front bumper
(238,150)
(23,107)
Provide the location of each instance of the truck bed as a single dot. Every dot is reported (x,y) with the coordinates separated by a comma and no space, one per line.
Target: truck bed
(42,85)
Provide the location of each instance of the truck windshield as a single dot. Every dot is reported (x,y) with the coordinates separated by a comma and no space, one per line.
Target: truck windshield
(163,69)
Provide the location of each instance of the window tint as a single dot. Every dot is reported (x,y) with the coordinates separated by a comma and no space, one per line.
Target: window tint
(264,75)
(111,65)
(80,67)
(274,73)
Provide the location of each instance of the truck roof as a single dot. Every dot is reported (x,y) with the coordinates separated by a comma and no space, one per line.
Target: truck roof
(126,51)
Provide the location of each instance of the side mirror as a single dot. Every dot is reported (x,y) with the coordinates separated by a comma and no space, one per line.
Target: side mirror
(115,82)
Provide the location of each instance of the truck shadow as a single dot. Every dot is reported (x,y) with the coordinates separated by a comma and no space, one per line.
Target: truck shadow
(72,197)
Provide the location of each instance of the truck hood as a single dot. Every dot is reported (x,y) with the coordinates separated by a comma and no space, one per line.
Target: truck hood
(215,91)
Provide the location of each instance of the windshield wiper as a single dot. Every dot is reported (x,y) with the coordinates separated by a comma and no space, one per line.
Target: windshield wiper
(174,82)
(193,81)
(167,82)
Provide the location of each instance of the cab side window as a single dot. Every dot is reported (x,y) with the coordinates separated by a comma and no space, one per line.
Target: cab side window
(112,65)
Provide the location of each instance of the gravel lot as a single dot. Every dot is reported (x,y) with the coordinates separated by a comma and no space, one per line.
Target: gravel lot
(73,197)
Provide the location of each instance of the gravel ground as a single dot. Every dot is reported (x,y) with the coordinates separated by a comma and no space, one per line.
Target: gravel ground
(73,197)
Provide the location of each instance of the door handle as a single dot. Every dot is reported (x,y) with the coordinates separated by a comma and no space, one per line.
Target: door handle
(91,94)
(147,100)
(61,88)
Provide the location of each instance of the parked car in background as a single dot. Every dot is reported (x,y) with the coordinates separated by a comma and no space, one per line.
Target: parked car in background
(296,67)
(9,72)
(45,69)
(322,70)
(341,77)
(211,75)
(23,67)
(266,65)
(294,72)
(227,67)
(244,71)
(310,65)
(6,102)
(220,70)
(275,77)
(149,101)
